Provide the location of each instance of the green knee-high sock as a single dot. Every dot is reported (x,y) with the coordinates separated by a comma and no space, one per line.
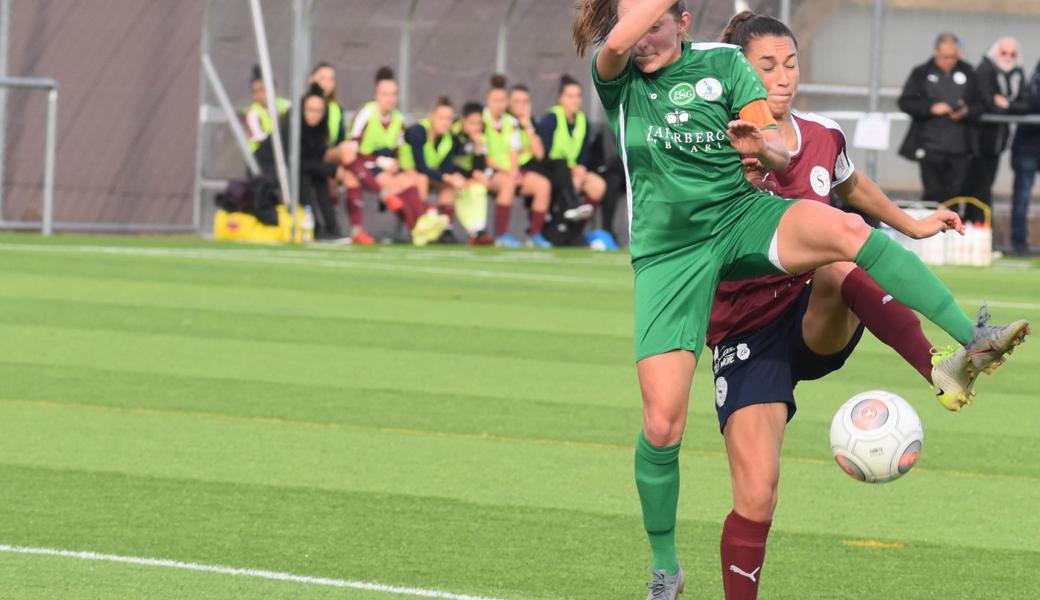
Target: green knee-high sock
(657,479)
(904,276)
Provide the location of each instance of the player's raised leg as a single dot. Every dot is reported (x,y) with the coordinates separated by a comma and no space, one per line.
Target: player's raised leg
(800,247)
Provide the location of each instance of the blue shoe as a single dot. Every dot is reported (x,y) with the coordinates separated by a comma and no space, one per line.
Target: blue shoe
(539,241)
(601,240)
(507,241)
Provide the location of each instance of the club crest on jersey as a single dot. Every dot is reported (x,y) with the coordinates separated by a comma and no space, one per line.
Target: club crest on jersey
(682,94)
(820,180)
(709,89)
(677,117)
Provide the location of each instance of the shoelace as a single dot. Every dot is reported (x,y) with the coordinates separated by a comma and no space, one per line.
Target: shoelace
(983,316)
(658,587)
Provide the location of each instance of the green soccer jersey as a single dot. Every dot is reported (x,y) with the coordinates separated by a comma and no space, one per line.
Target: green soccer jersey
(671,129)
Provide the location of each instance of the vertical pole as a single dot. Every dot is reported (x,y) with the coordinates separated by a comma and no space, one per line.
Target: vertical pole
(877,33)
(404,60)
(272,109)
(296,110)
(502,51)
(201,126)
(785,11)
(5,46)
(49,161)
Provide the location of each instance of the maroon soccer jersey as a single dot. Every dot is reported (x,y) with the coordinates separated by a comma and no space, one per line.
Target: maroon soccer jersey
(820,163)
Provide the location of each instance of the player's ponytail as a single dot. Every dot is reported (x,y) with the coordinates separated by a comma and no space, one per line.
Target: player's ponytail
(593,24)
(747,26)
(596,18)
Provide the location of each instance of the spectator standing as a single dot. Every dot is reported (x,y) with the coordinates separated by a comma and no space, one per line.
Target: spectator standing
(1025,161)
(1002,85)
(942,98)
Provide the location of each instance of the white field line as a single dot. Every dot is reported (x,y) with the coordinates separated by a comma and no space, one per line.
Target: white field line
(261,574)
(305,259)
(1000,304)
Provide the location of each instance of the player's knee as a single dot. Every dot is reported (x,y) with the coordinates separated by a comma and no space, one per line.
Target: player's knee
(757,502)
(852,233)
(662,430)
(829,279)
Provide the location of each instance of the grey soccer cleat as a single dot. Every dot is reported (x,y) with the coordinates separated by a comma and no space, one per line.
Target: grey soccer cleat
(990,345)
(664,586)
(953,381)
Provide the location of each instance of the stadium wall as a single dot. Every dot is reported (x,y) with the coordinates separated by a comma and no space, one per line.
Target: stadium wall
(128,71)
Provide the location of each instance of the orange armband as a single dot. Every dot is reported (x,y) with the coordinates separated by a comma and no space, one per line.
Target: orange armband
(758,113)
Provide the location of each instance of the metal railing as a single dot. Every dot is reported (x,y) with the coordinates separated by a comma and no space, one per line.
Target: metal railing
(36,83)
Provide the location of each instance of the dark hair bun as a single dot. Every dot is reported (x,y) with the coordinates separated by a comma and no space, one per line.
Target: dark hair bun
(498,81)
(384,74)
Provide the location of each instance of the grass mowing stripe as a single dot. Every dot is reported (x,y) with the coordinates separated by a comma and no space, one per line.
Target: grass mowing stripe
(334,332)
(231,256)
(564,313)
(448,544)
(298,361)
(595,480)
(238,572)
(485,437)
(950,446)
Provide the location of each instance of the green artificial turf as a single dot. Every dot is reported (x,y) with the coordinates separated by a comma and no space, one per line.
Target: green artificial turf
(447,419)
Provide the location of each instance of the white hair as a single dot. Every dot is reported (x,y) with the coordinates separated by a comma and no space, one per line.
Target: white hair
(994,54)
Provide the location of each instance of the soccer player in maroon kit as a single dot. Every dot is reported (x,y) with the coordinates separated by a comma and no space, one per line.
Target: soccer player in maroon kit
(770,333)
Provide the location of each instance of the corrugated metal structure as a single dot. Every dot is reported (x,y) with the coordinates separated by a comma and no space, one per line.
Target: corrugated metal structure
(129,75)
(128,71)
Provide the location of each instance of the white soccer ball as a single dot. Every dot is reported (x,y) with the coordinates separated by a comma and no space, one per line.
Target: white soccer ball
(876,437)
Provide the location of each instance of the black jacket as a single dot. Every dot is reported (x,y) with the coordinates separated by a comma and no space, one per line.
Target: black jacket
(994,137)
(919,94)
(313,142)
(1027,137)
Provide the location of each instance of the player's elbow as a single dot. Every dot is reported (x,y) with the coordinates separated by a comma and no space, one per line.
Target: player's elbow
(615,47)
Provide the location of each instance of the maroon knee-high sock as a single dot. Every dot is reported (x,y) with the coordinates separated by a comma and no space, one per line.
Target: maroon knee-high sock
(447,209)
(743,550)
(413,207)
(355,206)
(889,320)
(537,222)
(502,214)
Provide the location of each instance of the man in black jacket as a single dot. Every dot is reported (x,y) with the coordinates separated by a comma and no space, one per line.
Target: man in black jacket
(943,99)
(1025,161)
(1002,86)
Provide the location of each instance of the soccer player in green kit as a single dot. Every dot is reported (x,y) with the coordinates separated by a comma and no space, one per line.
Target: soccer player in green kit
(684,115)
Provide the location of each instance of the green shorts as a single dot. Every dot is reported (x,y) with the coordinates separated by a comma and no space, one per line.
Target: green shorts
(674,291)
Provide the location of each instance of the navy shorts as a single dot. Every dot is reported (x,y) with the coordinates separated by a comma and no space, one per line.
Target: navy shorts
(763,366)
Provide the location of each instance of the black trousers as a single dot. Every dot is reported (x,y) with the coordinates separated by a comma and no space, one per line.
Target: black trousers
(943,175)
(981,175)
(314,192)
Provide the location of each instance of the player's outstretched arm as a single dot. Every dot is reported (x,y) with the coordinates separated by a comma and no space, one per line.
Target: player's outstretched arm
(595,15)
(862,193)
